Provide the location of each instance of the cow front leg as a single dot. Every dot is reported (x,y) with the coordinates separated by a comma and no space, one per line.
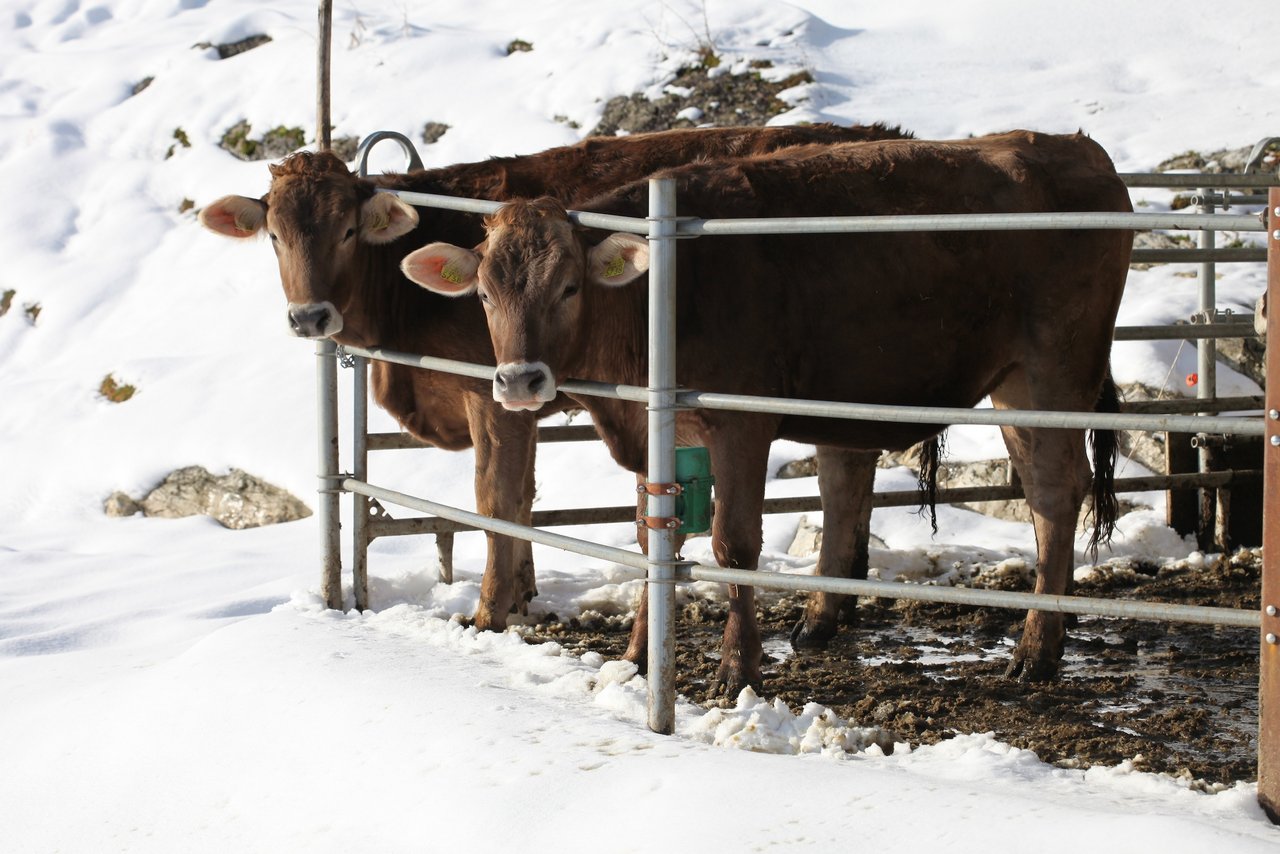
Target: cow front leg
(845,481)
(505,445)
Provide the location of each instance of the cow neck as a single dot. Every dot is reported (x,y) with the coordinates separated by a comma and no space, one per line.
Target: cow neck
(614,349)
(384,308)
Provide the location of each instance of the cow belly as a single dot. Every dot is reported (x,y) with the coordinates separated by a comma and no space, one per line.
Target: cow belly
(856,435)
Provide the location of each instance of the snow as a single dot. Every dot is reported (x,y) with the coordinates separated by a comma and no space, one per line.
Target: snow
(171,685)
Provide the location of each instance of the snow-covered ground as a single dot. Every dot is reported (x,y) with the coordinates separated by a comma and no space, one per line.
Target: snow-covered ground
(168,685)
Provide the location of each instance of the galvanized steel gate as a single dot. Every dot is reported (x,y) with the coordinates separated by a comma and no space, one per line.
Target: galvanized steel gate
(663,399)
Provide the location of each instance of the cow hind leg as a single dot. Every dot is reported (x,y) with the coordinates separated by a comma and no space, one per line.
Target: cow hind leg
(845,482)
(1054,470)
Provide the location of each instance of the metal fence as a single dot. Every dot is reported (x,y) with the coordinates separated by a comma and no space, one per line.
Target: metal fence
(663,399)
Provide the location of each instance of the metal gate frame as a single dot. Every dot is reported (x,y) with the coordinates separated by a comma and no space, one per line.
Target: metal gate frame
(663,398)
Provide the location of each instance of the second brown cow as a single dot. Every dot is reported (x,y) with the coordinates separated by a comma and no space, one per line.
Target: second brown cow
(936,319)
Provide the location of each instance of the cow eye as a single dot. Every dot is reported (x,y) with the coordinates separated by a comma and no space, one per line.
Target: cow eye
(570,290)
(484,298)
(272,235)
(351,232)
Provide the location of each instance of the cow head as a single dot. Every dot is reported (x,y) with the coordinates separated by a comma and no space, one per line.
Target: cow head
(529,274)
(316,214)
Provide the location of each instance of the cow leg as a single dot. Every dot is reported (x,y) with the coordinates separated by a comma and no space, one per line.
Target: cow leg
(845,481)
(1054,470)
(739,459)
(504,446)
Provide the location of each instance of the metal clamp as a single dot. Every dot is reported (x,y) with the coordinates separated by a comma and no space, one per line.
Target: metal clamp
(1213,315)
(658,523)
(677,235)
(345,359)
(331,484)
(659,489)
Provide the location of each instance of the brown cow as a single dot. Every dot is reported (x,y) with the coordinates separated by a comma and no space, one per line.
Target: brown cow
(339,244)
(937,319)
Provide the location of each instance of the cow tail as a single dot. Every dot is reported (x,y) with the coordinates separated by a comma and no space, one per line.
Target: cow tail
(927,481)
(1104,446)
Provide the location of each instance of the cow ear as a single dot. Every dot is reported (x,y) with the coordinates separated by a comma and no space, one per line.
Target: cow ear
(443,268)
(618,259)
(234,216)
(384,218)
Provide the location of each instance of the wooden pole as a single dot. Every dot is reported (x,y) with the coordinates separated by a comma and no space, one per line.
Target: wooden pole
(323,140)
(1269,664)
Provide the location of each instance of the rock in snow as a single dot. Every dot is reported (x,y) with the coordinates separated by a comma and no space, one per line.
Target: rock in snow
(235,500)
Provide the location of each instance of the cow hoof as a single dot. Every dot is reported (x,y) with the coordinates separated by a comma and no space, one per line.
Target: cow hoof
(487,620)
(1024,668)
(641,662)
(730,680)
(806,635)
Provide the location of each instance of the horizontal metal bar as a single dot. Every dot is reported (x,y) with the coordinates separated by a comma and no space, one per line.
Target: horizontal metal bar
(1197,256)
(1194,404)
(546,435)
(635,225)
(551,434)
(970,222)
(974,596)
(862,224)
(1241,426)
(812,503)
(433,363)
(1199,180)
(1186,331)
(1228,199)
(466,517)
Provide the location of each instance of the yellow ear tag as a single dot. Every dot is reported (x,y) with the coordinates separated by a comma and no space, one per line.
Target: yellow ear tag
(449,274)
(615,267)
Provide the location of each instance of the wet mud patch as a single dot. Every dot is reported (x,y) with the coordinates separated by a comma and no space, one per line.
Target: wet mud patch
(1177,699)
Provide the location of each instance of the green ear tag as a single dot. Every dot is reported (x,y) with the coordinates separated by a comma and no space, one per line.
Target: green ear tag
(449,274)
(615,267)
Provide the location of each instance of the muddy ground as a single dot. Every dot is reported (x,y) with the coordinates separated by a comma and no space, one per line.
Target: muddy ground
(1173,698)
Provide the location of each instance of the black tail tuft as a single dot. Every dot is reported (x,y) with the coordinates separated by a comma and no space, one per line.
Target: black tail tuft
(1103,444)
(930,458)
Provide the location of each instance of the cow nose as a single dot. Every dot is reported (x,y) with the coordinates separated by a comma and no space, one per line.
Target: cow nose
(523,385)
(314,320)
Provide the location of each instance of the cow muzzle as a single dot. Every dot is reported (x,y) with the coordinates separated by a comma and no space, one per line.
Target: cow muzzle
(523,385)
(314,319)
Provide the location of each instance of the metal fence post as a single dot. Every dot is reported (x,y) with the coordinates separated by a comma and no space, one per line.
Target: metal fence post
(1269,663)
(662,455)
(330,535)
(1207,382)
(360,469)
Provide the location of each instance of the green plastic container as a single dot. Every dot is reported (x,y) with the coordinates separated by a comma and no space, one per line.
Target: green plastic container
(693,505)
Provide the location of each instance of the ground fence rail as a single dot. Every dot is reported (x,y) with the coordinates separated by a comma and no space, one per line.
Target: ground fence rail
(663,399)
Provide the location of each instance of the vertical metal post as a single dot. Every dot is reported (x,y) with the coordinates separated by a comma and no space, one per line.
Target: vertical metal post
(1269,664)
(360,469)
(1207,370)
(323,49)
(330,536)
(662,453)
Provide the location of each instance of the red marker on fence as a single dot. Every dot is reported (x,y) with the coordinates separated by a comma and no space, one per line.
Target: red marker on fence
(1192,379)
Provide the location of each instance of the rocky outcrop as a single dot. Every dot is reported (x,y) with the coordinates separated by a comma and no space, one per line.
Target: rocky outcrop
(702,96)
(235,500)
